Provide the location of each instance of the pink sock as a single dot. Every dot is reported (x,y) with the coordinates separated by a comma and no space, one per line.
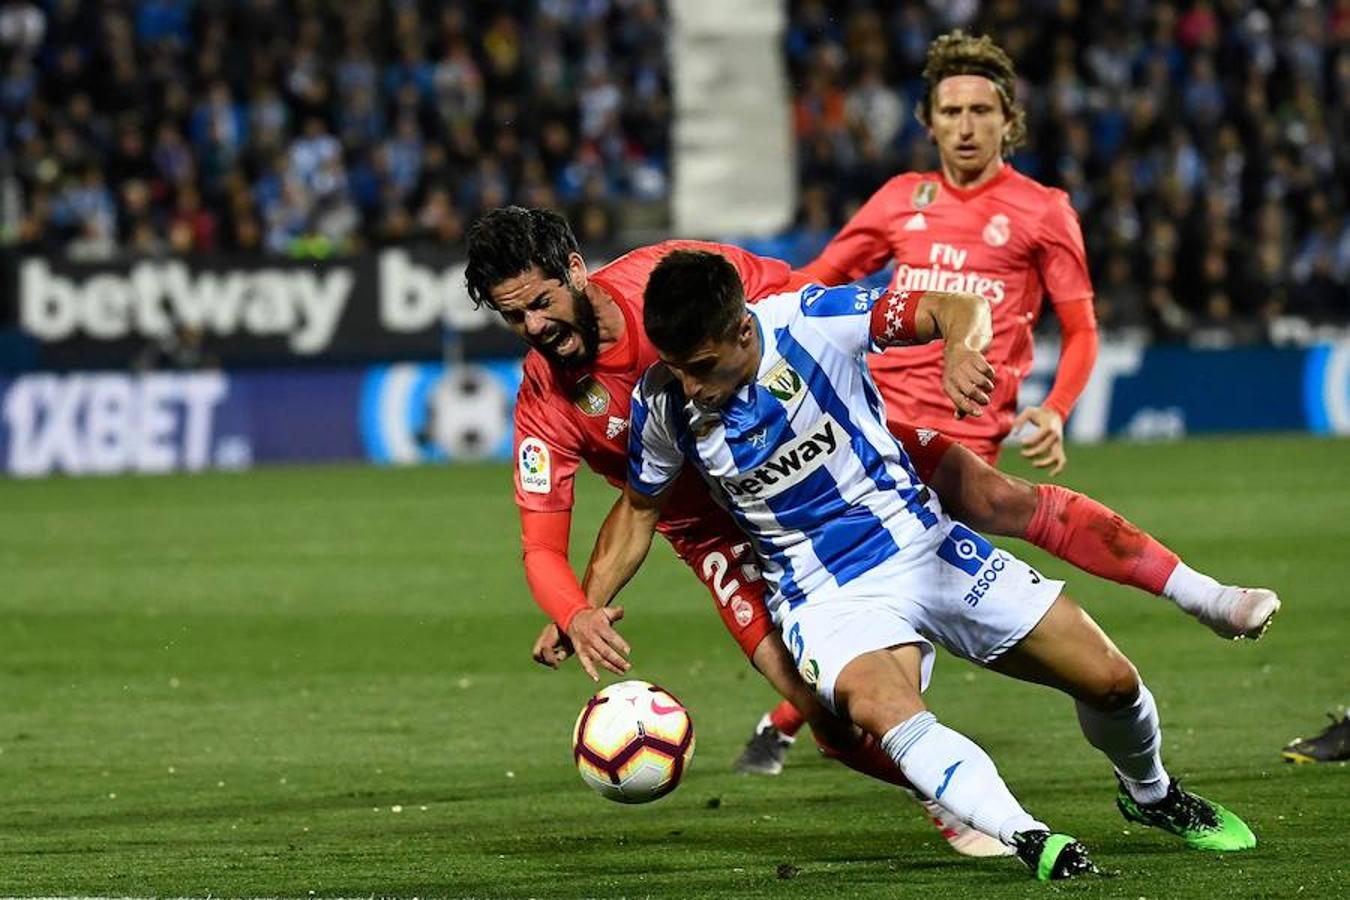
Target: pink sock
(1081,531)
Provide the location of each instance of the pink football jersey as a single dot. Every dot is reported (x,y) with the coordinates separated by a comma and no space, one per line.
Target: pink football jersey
(566,416)
(1011,241)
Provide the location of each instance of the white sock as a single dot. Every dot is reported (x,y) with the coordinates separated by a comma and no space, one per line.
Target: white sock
(1191,590)
(1132,739)
(954,771)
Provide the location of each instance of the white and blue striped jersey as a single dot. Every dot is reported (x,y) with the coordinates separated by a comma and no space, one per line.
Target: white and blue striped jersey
(801,456)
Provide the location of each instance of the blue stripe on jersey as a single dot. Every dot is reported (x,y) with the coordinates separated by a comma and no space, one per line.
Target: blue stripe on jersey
(739,421)
(766,550)
(828,399)
(771,552)
(879,407)
(755,429)
(684,438)
(848,540)
(637,424)
(837,301)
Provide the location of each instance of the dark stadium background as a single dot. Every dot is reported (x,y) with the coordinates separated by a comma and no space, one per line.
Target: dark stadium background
(265,185)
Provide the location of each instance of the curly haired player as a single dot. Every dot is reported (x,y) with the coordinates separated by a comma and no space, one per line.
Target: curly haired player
(978,225)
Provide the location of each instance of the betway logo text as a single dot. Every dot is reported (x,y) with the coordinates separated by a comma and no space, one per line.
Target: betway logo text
(791,464)
(304,306)
(945,272)
(104,423)
(152,297)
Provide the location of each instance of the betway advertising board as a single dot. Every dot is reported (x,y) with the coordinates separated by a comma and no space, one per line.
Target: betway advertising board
(91,423)
(395,304)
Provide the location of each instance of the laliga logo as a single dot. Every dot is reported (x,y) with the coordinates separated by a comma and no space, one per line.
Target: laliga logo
(997,230)
(532,458)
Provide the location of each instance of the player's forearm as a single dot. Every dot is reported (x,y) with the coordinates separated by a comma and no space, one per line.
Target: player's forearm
(1076,359)
(960,319)
(904,318)
(554,585)
(622,545)
(544,537)
(1077,356)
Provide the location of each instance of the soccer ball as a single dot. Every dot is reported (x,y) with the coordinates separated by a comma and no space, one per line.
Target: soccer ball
(632,742)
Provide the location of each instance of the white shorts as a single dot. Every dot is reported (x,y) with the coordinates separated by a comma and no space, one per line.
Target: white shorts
(958,591)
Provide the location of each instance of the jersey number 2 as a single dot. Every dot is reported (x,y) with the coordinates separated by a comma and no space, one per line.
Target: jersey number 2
(716,566)
(715,570)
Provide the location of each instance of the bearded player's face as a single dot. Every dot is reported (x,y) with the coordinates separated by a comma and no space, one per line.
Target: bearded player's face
(968,124)
(554,317)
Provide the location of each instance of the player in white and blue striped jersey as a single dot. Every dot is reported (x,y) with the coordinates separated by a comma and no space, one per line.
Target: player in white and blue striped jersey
(824,490)
(773,406)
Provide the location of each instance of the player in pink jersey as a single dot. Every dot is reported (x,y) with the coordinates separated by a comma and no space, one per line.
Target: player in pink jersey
(588,351)
(978,225)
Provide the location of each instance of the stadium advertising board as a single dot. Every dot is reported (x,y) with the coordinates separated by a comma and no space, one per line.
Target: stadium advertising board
(86,423)
(394,304)
(1326,389)
(108,423)
(1140,392)
(103,423)
(428,412)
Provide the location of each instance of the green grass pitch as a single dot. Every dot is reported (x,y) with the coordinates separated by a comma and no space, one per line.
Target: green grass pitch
(316,682)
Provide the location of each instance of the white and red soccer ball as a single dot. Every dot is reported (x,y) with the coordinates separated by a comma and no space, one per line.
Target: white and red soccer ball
(632,742)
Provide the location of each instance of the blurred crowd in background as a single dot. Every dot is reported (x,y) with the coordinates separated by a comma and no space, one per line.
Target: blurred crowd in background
(1205,144)
(309,128)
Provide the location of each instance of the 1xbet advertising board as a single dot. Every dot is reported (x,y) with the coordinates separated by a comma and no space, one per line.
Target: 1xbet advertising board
(99,423)
(85,423)
(106,422)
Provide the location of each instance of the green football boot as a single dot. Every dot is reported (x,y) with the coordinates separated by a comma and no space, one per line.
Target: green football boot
(1053,856)
(1201,823)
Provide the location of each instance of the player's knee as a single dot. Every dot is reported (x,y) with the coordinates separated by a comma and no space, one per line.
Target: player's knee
(1115,685)
(834,736)
(994,502)
(877,712)
(1010,503)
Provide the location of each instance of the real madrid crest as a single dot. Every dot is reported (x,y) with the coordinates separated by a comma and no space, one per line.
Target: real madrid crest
(997,230)
(925,192)
(591,397)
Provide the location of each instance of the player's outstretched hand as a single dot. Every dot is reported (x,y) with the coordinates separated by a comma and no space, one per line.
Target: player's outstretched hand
(968,380)
(595,640)
(1044,446)
(552,647)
